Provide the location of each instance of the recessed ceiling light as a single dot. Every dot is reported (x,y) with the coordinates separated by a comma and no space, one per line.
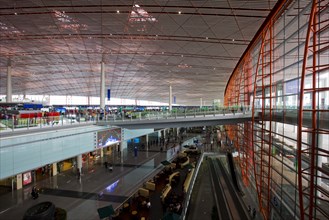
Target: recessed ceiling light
(15,13)
(118,11)
(179,12)
(232,39)
(206,38)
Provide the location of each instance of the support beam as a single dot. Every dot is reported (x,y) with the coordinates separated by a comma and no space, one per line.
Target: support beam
(9,94)
(170,98)
(79,163)
(102,92)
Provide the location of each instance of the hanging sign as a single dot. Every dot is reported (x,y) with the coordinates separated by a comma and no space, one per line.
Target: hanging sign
(108,94)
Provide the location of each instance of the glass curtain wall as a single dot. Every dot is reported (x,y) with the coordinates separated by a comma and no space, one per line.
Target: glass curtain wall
(284,77)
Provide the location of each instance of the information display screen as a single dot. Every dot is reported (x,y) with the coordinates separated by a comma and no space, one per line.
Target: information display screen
(108,137)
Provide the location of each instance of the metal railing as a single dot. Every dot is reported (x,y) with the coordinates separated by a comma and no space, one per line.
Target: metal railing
(156,115)
(15,123)
(190,188)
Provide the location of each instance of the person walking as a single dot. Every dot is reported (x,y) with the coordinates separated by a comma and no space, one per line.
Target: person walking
(254,213)
(78,173)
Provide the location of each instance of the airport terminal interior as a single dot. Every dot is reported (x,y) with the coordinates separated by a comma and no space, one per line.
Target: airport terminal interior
(164,109)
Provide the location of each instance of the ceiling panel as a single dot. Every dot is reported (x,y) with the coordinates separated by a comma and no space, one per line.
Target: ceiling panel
(55,47)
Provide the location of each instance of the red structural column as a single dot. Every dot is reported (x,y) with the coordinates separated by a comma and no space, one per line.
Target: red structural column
(300,122)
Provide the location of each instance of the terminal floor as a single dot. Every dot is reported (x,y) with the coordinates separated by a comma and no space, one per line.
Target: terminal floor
(82,197)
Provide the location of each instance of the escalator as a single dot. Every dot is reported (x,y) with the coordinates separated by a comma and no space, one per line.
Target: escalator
(232,171)
(229,204)
(214,195)
(222,206)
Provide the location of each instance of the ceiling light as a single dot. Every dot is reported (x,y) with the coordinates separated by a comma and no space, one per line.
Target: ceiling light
(15,13)
(206,38)
(179,12)
(232,39)
(118,11)
(182,55)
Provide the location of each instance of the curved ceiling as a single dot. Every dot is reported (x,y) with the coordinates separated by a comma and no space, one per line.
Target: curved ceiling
(55,47)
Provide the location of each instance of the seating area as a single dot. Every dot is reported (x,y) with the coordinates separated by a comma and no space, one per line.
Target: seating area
(164,193)
(188,180)
(150,185)
(182,165)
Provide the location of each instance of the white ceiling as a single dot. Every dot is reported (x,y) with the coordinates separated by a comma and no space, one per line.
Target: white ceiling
(55,47)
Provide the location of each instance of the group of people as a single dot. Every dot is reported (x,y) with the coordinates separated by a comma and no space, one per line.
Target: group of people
(253,212)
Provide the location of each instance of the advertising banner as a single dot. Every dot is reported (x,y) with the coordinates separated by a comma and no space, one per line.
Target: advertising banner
(27,178)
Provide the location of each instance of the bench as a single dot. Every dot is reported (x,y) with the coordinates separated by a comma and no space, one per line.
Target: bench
(172,176)
(182,165)
(165,192)
(150,186)
(144,192)
(188,180)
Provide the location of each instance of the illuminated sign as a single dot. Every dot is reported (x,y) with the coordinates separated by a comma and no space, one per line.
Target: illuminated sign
(108,137)
(27,178)
(112,187)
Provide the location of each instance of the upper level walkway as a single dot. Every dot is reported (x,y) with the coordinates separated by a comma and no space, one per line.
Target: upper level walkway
(159,119)
(142,120)
(173,120)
